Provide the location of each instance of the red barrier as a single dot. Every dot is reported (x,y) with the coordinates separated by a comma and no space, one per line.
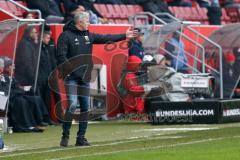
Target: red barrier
(114,59)
(114,67)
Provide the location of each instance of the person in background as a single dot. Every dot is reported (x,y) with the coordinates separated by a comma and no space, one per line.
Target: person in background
(133,101)
(49,9)
(71,10)
(135,45)
(27,57)
(28,15)
(51,48)
(26,111)
(155,6)
(84,5)
(74,57)
(45,69)
(214,10)
(176,47)
(230,73)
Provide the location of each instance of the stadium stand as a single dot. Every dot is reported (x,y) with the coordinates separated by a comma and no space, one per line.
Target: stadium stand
(12,8)
(120,13)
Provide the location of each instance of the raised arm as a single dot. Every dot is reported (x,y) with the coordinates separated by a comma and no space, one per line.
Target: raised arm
(101,39)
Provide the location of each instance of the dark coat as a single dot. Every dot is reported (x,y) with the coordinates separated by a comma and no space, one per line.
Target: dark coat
(52,52)
(136,49)
(25,109)
(75,43)
(26,61)
(45,66)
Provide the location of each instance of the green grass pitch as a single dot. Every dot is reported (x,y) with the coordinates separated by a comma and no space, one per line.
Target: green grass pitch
(130,141)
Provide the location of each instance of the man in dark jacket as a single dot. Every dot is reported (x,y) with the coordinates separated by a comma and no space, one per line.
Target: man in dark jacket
(45,68)
(74,57)
(135,45)
(27,57)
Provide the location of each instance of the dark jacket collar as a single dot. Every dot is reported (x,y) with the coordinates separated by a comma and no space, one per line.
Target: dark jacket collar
(71,27)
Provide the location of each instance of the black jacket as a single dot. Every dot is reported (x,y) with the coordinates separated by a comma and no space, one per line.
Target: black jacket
(45,65)
(74,50)
(136,49)
(26,61)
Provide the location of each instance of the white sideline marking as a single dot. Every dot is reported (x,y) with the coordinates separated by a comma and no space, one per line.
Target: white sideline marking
(173,129)
(10,149)
(97,145)
(16,147)
(144,148)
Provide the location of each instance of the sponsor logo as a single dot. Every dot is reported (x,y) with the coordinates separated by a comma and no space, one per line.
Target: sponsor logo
(194,83)
(182,113)
(231,112)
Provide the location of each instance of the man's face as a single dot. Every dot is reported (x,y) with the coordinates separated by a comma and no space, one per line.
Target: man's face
(30,16)
(46,39)
(176,36)
(140,37)
(83,24)
(34,34)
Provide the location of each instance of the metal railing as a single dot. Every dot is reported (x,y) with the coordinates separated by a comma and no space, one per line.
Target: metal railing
(155,18)
(20,22)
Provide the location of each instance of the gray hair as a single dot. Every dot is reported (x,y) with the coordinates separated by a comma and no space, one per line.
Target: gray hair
(80,16)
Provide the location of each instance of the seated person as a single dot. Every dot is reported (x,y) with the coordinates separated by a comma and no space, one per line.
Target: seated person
(133,102)
(26,111)
(176,47)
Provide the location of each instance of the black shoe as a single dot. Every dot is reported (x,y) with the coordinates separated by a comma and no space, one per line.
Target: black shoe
(64,142)
(36,129)
(82,142)
(43,124)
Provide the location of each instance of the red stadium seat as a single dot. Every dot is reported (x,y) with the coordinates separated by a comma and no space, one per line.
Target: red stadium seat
(120,12)
(203,14)
(133,9)
(15,9)
(233,13)
(195,14)
(225,18)
(112,11)
(101,8)
(137,8)
(176,12)
(12,8)
(124,10)
(4,5)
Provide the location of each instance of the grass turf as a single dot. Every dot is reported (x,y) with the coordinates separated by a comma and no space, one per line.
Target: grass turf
(120,140)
